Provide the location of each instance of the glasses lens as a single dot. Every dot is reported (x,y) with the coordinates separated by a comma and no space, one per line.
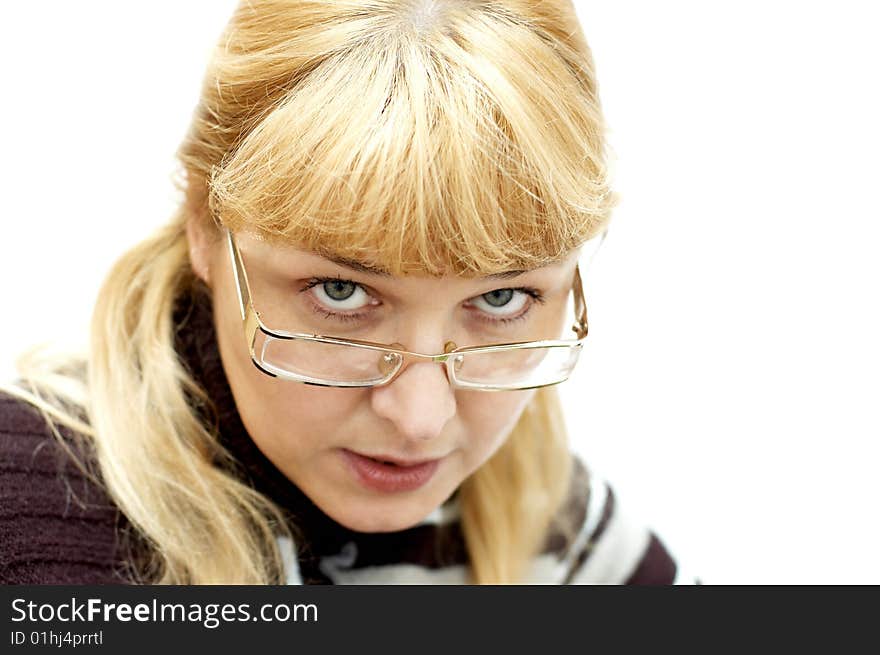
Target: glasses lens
(517,367)
(315,361)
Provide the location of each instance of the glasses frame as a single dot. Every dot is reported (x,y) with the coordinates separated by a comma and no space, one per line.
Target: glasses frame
(253,324)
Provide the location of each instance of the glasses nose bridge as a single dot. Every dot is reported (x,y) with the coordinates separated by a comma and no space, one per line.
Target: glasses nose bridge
(407,357)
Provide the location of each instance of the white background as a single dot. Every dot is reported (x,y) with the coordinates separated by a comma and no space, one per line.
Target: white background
(729,388)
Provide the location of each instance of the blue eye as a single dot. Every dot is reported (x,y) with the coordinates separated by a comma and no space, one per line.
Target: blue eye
(339,294)
(502,303)
(498,297)
(339,289)
(341,300)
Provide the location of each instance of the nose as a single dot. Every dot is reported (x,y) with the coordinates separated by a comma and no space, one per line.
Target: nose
(419,402)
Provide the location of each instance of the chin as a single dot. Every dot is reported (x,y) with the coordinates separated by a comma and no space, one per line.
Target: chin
(377,519)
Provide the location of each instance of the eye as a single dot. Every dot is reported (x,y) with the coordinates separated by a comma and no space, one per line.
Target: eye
(344,300)
(502,302)
(498,297)
(341,294)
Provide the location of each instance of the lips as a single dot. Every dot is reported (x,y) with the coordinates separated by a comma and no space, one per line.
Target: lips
(386,459)
(390,474)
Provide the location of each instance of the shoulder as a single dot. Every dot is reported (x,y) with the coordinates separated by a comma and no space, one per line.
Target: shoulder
(598,540)
(57,525)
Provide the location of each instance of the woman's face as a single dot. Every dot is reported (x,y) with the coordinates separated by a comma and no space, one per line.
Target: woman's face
(323,438)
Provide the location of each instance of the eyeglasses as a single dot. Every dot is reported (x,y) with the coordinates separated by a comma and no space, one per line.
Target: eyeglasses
(336,362)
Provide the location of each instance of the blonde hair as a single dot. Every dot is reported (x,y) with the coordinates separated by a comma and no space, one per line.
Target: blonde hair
(430,136)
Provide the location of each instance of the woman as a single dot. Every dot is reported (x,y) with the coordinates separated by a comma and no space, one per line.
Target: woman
(299,378)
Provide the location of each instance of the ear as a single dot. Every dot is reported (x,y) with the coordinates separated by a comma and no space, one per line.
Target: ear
(201,237)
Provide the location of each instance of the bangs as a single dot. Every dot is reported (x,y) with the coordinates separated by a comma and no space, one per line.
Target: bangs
(438,153)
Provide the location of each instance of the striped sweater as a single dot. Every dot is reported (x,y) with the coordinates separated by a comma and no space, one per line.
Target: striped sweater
(59,527)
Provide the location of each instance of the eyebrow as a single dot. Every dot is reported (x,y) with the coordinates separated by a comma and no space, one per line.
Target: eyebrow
(373,270)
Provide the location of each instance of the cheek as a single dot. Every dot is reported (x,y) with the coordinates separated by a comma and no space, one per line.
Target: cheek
(488,418)
(294,420)
(298,409)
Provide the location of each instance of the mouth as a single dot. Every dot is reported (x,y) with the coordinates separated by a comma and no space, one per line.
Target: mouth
(397,461)
(390,474)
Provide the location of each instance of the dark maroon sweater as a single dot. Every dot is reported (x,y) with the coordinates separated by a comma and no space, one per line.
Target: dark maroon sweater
(59,527)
